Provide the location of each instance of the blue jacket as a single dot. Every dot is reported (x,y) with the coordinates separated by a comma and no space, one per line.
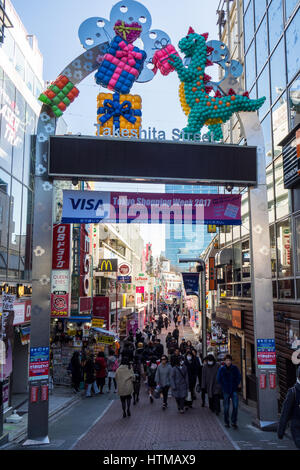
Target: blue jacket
(229,378)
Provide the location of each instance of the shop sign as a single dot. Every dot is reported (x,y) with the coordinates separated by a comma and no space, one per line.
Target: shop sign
(25,335)
(106,339)
(236,318)
(108,265)
(117,207)
(125,279)
(19,310)
(125,269)
(61,246)
(101,309)
(211,274)
(266,354)
(140,289)
(132,323)
(60,281)
(39,363)
(60,305)
(191,283)
(98,322)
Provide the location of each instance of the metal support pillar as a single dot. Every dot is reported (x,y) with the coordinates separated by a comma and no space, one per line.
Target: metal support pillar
(261,276)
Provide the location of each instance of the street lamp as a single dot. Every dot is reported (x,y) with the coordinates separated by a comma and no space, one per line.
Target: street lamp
(202,296)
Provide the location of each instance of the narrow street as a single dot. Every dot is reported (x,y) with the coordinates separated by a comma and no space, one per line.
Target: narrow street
(98,424)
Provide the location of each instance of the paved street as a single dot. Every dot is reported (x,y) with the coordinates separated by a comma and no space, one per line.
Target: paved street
(98,424)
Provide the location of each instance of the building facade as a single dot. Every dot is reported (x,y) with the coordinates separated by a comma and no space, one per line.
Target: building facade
(21,81)
(264,35)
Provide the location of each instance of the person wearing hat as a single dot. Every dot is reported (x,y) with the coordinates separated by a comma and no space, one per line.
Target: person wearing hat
(291,412)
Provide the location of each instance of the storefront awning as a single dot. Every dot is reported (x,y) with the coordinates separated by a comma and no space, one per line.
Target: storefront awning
(106,332)
(78,319)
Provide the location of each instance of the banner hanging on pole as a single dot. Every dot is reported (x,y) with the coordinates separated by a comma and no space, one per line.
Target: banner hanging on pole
(191,283)
(115,207)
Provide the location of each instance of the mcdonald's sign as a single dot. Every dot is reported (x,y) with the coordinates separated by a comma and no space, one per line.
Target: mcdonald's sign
(108,266)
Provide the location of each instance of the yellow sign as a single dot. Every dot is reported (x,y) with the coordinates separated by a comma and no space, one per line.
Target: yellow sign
(108,265)
(98,322)
(106,339)
(211,228)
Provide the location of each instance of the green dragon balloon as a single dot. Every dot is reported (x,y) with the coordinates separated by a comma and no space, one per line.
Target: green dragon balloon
(202,108)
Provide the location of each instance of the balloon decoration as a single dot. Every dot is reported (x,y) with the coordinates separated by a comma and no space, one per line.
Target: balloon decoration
(121,66)
(59,95)
(128,32)
(160,59)
(119,112)
(205,109)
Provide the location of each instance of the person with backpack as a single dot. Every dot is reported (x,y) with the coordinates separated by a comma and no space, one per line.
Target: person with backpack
(112,365)
(291,412)
(101,370)
(229,378)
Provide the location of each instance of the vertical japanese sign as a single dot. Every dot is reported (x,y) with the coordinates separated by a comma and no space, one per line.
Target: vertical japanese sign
(85,271)
(266,354)
(61,279)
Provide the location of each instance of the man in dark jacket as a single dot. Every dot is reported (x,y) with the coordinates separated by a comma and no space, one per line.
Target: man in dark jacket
(158,349)
(175,334)
(291,412)
(229,378)
(175,356)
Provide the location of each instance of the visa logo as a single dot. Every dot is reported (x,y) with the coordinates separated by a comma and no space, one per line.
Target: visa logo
(86,204)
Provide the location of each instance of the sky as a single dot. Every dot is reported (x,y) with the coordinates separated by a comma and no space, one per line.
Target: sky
(55,24)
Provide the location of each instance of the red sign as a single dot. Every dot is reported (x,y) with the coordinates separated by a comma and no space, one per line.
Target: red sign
(61,246)
(38,369)
(272,380)
(124,269)
(211,275)
(101,307)
(59,305)
(34,394)
(44,393)
(140,289)
(262,381)
(85,304)
(236,318)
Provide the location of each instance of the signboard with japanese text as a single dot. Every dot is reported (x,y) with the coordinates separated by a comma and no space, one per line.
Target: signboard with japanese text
(117,207)
(61,246)
(266,354)
(106,339)
(39,363)
(191,283)
(60,306)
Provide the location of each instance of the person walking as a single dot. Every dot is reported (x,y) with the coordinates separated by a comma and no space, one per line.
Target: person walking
(229,378)
(76,371)
(166,321)
(203,390)
(175,334)
(151,372)
(125,378)
(192,369)
(291,412)
(89,369)
(101,370)
(179,319)
(112,365)
(184,320)
(211,385)
(138,370)
(179,383)
(163,379)
(183,346)
(199,370)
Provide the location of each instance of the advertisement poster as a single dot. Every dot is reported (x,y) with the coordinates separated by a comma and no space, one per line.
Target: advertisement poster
(60,276)
(132,324)
(39,363)
(266,354)
(191,283)
(101,310)
(116,207)
(60,305)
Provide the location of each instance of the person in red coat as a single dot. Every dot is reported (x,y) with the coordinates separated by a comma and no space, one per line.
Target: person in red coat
(101,370)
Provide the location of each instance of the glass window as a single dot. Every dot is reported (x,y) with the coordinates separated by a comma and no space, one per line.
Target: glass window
(248,25)
(284,249)
(26,235)
(246,289)
(298,288)
(20,62)
(278,78)
(4,217)
(275,22)
(246,263)
(19,129)
(293,47)
(280,123)
(282,195)
(260,8)
(29,156)
(262,51)
(274,289)
(8,46)
(266,126)
(237,262)
(273,250)
(286,289)
(250,66)
(297,229)
(14,229)
(30,78)
(270,192)
(294,103)
(7,112)
(263,89)
(289,8)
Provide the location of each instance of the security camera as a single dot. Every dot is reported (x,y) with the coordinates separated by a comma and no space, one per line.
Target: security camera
(75,181)
(229,187)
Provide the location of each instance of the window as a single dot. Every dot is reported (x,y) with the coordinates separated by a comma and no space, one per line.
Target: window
(289,8)
(294,102)
(262,45)
(263,89)
(8,116)
(275,22)
(280,123)
(26,235)
(270,193)
(8,46)
(273,250)
(260,9)
(237,262)
(28,152)
(297,233)
(293,47)
(19,129)
(281,194)
(4,204)
(250,66)
(284,249)
(248,25)
(246,263)
(286,289)
(20,62)
(278,78)
(30,78)
(14,229)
